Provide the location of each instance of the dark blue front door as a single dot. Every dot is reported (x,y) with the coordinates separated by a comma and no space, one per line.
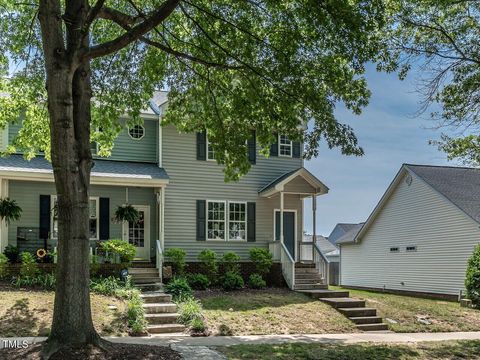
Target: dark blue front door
(288,230)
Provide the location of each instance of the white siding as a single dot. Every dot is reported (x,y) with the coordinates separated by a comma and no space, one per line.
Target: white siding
(415,215)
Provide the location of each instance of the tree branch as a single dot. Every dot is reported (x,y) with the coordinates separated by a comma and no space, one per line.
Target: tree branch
(135,33)
(125,20)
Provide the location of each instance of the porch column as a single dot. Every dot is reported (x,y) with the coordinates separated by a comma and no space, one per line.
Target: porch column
(162,220)
(3,224)
(314,223)
(281,217)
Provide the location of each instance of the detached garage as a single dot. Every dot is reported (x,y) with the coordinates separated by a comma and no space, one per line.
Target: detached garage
(420,235)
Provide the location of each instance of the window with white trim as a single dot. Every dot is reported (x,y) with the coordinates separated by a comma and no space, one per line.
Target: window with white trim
(93,222)
(216,220)
(136,132)
(284,146)
(237,220)
(210,151)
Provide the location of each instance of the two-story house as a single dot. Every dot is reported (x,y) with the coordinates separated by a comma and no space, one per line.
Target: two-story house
(174,181)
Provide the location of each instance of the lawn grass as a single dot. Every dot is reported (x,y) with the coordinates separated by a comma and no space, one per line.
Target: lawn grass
(271,311)
(444,315)
(29,313)
(300,351)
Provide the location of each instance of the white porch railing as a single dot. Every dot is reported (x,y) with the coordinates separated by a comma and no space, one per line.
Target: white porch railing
(321,263)
(288,266)
(159,257)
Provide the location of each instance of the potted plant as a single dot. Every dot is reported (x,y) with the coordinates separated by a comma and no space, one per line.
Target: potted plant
(9,210)
(126,212)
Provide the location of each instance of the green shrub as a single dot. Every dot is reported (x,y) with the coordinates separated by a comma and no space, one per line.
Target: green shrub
(262,260)
(3,266)
(177,257)
(179,289)
(232,281)
(472,280)
(94,266)
(112,286)
(45,281)
(255,281)
(136,313)
(209,264)
(29,267)
(198,325)
(198,281)
(188,310)
(230,262)
(9,210)
(121,248)
(12,253)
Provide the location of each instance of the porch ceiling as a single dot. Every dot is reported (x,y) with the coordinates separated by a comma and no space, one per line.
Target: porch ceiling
(299,181)
(103,172)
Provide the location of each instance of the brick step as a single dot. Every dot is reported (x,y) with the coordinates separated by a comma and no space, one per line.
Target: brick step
(359,320)
(165,328)
(142,264)
(311,286)
(358,312)
(343,302)
(308,281)
(165,318)
(372,327)
(149,286)
(316,294)
(160,308)
(156,297)
(141,270)
(146,280)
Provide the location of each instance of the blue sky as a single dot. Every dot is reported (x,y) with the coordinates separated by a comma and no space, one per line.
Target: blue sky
(390,134)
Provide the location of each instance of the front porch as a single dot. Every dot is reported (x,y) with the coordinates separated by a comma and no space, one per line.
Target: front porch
(304,266)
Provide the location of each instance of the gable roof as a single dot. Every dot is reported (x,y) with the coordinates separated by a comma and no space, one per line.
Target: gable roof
(322,242)
(278,184)
(459,185)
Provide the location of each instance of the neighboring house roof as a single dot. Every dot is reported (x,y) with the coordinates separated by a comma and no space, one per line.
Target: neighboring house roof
(350,235)
(127,172)
(459,185)
(322,242)
(278,184)
(339,230)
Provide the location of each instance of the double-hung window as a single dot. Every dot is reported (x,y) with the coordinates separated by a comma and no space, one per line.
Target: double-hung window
(216,220)
(210,151)
(92,221)
(237,220)
(284,146)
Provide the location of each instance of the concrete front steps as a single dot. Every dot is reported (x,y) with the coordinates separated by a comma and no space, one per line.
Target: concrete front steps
(160,312)
(364,318)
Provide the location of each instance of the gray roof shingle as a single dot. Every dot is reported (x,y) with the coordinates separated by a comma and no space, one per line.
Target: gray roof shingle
(460,185)
(103,168)
(350,235)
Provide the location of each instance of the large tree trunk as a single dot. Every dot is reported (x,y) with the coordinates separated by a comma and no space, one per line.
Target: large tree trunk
(69,94)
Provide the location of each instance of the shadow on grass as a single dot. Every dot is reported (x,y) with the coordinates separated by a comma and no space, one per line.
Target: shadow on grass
(117,326)
(19,320)
(253,300)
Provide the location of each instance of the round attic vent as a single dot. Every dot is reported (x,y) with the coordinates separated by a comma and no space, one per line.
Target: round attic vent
(408,179)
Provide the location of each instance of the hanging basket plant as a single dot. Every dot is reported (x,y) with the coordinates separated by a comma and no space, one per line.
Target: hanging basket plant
(126,213)
(9,210)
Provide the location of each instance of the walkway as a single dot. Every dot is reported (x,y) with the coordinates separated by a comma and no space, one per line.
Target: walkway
(374,337)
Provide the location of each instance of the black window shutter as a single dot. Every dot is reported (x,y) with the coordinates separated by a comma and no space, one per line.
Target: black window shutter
(202,145)
(296,150)
(44,216)
(277,225)
(252,148)
(251,221)
(274,147)
(104,221)
(201,220)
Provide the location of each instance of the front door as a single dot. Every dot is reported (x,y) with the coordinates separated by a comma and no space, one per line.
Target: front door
(138,233)
(288,230)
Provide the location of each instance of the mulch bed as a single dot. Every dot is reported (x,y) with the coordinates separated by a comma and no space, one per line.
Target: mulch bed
(118,352)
